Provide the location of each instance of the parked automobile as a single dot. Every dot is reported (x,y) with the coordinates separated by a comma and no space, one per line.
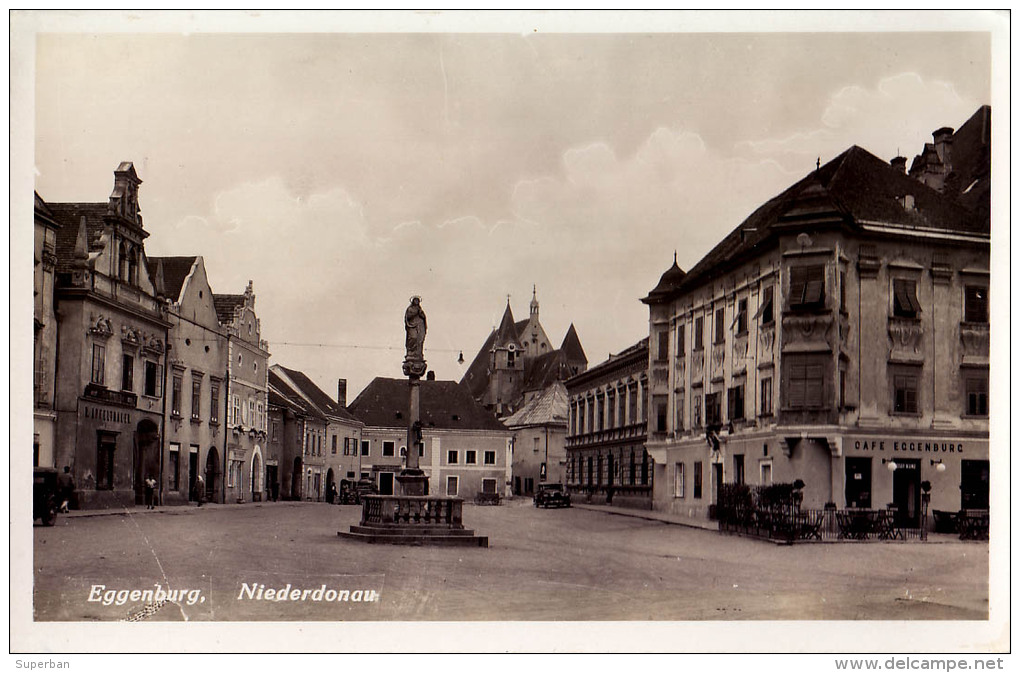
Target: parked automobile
(366,487)
(552,495)
(44,495)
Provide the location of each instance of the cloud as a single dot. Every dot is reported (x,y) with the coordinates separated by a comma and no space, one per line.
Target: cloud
(897,115)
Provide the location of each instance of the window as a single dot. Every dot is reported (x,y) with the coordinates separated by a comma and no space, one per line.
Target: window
(175,397)
(622,408)
(842,292)
(251,413)
(452,457)
(260,417)
(678,480)
(276,436)
(365,447)
(735,403)
(333,448)
(696,411)
(805,382)
(807,287)
(766,396)
(699,333)
(610,408)
(175,467)
(697,479)
(842,388)
(99,364)
(214,403)
(591,416)
(977,395)
(196,397)
(127,380)
(741,316)
(975,303)
(661,403)
(471,457)
(511,358)
(663,346)
(765,468)
(489,486)
(236,412)
(678,418)
(738,468)
(905,298)
(905,393)
(720,332)
(451,485)
(489,457)
(713,409)
(601,420)
(765,311)
(681,346)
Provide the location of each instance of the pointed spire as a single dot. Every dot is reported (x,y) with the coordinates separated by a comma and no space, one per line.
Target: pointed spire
(81,245)
(534,301)
(506,332)
(571,346)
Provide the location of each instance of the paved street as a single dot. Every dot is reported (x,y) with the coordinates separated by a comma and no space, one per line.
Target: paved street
(570,564)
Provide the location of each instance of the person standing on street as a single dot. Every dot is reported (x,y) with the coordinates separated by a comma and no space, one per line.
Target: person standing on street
(65,489)
(150,489)
(199,489)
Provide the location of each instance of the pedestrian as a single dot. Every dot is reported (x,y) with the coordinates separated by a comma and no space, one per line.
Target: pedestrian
(150,490)
(199,489)
(65,489)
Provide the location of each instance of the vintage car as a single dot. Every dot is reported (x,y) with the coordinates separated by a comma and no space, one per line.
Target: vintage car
(552,495)
(44,495)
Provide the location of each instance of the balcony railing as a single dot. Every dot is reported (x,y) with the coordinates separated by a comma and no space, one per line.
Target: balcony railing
(119,397)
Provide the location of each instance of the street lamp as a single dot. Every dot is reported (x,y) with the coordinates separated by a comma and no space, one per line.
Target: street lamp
(925,501)
(939,465)
(890,464)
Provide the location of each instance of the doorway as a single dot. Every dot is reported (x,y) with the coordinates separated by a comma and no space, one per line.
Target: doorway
(385,483)
(295,480)
(858,482)
(192,473)
(717,481)
(907,492)
(212,475)
(146,456)
(330,485)
(974,484)
(272,482)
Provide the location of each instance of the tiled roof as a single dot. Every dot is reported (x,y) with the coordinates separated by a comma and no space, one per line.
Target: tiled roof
(323,402)
(571,346)
(225,305)
(175,271)
(549,408)
(545,369)
(854,187)
(971,162)
(444,404)
(293,398)
(638,351)
(69,216)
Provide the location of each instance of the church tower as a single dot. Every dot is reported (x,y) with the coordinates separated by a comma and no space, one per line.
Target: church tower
(535,341)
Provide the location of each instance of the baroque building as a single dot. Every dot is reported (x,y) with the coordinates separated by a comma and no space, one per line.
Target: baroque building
(196,408)
(517,362)
(111,353)
(840,336)
(246,391)
(606,461)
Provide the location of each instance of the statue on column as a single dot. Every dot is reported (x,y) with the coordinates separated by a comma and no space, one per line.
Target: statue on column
(415,326)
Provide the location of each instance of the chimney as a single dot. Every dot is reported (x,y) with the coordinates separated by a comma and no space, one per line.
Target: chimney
(341,393)
(899,163)
(431,376)
(943,145)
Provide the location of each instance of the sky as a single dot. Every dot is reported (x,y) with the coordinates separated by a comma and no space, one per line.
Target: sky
(345,172)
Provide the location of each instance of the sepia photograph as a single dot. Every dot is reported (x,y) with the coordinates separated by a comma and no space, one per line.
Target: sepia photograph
(566,331)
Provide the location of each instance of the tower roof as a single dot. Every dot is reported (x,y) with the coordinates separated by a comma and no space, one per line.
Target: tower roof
(571,346)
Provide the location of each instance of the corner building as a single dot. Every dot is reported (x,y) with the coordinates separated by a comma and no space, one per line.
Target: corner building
(840,336)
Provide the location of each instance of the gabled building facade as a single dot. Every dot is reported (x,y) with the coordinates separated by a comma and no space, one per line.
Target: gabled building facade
(111,359)
(838,336)
(607,462)
(246,397)
(196,410)
(517,362)
(465,451)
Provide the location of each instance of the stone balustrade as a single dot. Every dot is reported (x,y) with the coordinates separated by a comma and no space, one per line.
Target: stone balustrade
(409,510)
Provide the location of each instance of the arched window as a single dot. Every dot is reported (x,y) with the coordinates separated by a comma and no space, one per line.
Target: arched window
(122,258)
(133,266)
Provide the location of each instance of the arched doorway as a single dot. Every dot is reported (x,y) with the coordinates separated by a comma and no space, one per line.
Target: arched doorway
(212,475)
(295,480)
(256,475)
(330,485)
(146,458)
